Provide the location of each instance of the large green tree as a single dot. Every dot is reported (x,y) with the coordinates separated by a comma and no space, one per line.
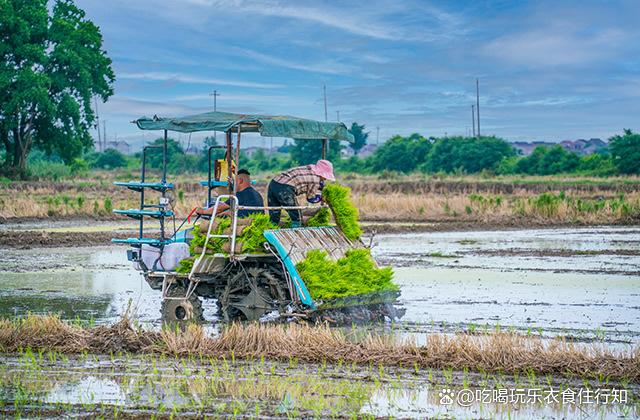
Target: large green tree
(402,154)
(304,152)
(359,137)
(467,154)
(547,161)
(52,65)
(625,150)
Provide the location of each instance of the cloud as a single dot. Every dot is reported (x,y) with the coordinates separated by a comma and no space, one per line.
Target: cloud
(326,66)
(555,45)
(131,108)
(185,78)
(370,21)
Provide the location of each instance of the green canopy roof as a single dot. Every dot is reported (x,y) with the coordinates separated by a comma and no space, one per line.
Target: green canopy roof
(266,125)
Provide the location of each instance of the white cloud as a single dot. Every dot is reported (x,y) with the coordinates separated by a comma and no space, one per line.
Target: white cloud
(555,46)
(368,21)
(185,78)
(327,66)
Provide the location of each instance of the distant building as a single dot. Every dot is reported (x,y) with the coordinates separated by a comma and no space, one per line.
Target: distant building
(584,147)
(193,150)
(119,145)
(250,151)
(366,151)
(580,146)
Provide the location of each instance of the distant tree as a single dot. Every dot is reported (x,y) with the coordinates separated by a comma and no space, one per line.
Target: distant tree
(210,141)
(359,137)
(304,152)
(175,152)
(467,154)
(285,148)
(401,154)
(52,65)
(625,150)
(548,161)
(108,159)
(600,164)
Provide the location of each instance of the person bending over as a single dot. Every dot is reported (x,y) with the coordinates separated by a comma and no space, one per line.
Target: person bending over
(305,180)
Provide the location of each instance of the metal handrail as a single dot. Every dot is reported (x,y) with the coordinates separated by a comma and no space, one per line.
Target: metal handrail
(280,207)
(211,221)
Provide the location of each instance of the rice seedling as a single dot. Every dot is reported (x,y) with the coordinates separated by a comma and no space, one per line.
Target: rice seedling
(354,274)
(345,213)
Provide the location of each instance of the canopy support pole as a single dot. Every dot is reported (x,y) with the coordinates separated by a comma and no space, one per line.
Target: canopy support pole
(324,148)
(164,181)
(164,158)
(229,160)
(235,172)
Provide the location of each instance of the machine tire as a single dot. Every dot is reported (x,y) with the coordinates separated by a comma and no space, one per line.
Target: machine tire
(250,294)
(183,310)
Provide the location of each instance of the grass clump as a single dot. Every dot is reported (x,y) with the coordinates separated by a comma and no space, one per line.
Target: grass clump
(345,213)
(354,274)
(321,218)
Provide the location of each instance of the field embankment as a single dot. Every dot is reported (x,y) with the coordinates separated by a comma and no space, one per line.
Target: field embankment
(519,202)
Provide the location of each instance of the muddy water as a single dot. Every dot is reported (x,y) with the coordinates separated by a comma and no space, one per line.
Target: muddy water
(581,282)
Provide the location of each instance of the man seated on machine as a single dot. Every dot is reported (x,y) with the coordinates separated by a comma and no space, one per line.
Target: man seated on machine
(246,194)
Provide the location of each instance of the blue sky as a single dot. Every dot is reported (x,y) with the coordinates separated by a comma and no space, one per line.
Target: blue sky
(549,70)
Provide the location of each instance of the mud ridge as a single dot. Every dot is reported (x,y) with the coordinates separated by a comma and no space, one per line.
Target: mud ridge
(496,352)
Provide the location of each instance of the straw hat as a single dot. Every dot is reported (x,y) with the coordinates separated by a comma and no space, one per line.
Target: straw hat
(323,168)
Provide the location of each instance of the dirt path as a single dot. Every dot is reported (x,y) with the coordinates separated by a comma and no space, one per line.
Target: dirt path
(32,235)
(32,239)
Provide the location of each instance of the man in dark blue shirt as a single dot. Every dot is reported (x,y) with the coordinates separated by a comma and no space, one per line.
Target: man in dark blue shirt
(247,195)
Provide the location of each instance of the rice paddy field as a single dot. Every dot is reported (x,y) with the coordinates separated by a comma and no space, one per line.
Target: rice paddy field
(500,323)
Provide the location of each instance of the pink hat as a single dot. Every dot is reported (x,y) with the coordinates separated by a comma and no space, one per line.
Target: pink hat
(323,168)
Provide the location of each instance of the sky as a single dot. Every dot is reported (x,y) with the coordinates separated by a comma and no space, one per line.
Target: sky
(548,70)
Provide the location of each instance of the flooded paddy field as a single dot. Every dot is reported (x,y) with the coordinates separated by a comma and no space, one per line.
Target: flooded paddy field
(50,384)
(580,283)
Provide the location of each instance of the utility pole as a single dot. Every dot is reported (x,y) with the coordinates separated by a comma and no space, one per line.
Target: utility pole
(324,90)
(215,95)
(377,135)
(325,142)
(95,101)
(104,133)
(478,104)
(338,114)
(473,119)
